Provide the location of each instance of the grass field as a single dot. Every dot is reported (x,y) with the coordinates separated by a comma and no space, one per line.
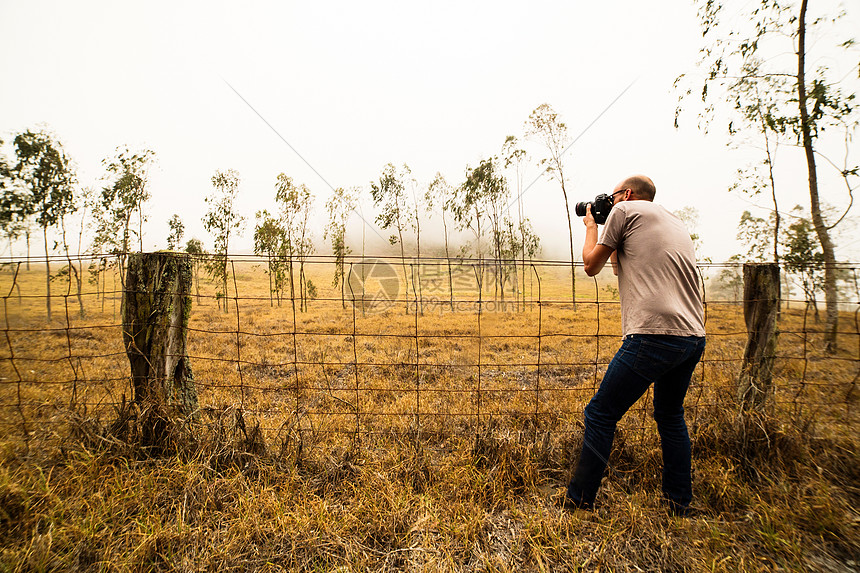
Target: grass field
(379,439)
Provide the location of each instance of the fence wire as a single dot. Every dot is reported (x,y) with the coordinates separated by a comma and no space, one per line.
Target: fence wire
(388,347)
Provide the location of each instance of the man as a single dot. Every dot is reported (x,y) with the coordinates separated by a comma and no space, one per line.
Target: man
(663,336)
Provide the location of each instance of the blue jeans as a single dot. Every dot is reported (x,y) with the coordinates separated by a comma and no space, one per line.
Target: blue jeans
(668,363)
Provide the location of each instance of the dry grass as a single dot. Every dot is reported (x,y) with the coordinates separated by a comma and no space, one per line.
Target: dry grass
(351,458)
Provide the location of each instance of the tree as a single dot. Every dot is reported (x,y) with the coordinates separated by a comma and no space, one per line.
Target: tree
(194,247)
(482,196)
(97,278)
(14,212)
(518,242)
(804,258)
(545,124)
(440,192)
(389,195)
(87,196)
(45,170)
(339,206)
(690,217)
(222,220)
(469,213)
(270,240)
(523,244)
(305,244)
(7,201)
(177,230)
(759,113)
(731,277)
(756,234)
(414,212)
(14,204)
(123,199)
(745,58)
(295,203)
(16,208)
(99,247)
(517,158)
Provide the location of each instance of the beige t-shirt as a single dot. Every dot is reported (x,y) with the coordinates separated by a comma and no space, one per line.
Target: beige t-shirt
(657,278)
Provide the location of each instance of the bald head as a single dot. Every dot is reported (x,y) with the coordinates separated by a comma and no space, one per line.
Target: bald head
(641,186)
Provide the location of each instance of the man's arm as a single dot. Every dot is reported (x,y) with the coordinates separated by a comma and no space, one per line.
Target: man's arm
(594,256)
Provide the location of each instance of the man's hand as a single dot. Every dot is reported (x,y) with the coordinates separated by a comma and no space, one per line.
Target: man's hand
(588,220)
(594,256)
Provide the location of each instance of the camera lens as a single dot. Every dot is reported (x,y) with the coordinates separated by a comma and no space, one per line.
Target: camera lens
(580,208)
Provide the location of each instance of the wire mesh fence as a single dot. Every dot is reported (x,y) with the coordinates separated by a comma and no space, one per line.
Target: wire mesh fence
(321,351)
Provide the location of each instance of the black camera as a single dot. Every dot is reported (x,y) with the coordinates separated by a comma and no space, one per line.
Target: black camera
(600,208)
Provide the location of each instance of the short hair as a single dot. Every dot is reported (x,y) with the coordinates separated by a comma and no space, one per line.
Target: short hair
(641,186)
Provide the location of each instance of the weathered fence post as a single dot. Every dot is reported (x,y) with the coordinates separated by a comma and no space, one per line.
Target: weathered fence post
(761,306)
(156,308)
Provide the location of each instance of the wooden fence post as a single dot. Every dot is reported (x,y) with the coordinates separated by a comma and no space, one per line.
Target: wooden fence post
(761,306)
(156,308)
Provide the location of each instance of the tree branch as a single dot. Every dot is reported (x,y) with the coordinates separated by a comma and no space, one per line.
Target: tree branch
(844,172)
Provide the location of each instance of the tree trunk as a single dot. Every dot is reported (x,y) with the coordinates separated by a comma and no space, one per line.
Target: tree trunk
(78,281)
(448,262)
(72,268)
(761,304)
(516,282)
(292,283)
(155,332)
(47,273)
(480,275)
(363,243)
(403,266)
(777,218)
(271,290)
(224,274)
(140,224)
(419,295)
(570,233)
(303,293)
(102,276)
(830,293)
(342,286)
(522,246)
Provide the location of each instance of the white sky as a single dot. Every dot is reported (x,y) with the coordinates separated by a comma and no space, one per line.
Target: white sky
(355,85)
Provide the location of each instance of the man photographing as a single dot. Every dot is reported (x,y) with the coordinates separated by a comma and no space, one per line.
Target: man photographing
(663,336)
